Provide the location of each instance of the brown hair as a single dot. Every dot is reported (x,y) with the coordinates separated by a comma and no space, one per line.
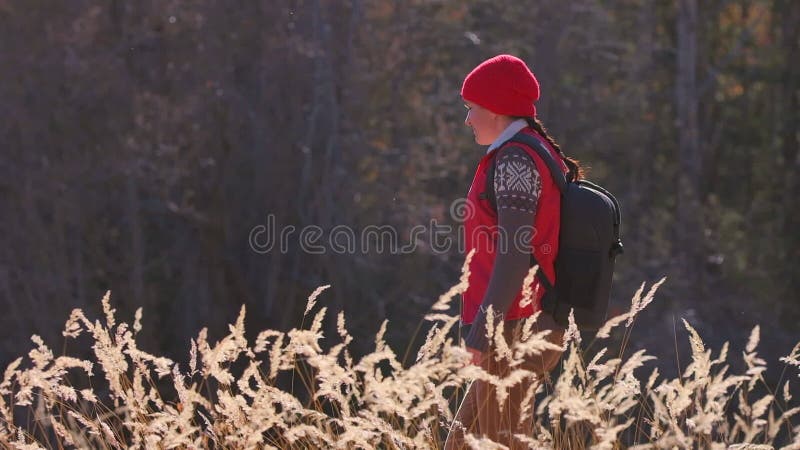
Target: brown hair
(576,172)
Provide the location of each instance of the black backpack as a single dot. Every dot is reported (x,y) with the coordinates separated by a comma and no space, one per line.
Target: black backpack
(588,244)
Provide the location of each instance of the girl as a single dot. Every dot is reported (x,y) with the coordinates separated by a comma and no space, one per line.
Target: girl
(513,224)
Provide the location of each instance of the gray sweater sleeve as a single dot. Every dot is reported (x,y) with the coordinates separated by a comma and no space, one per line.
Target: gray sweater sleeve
(510,268)
(517,188)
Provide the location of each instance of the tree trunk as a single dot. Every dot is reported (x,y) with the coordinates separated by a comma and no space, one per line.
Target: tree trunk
(689,214)
(790,12)
(641,176)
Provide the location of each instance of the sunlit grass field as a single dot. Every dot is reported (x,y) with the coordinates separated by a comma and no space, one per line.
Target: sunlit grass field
(229,394)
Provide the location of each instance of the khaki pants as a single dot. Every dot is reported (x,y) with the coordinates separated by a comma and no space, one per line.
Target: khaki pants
(480,413)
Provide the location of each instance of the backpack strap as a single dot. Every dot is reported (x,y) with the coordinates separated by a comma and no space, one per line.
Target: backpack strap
(521,138)
(547,157)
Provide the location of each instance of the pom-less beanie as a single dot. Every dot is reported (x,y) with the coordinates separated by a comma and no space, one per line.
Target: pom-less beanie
(503,85)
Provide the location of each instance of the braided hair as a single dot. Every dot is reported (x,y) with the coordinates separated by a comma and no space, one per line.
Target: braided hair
(576,172)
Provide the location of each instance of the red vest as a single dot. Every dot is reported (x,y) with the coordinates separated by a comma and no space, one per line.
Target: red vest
(480,227)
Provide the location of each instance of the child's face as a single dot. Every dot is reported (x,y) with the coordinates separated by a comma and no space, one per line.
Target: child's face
(483,122)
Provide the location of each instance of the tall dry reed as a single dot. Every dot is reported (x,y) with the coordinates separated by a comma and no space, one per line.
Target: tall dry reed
(228,395)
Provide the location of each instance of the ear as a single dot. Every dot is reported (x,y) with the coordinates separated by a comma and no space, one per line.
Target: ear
(499,120)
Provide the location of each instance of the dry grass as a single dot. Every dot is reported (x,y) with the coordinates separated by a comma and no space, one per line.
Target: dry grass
(228,396)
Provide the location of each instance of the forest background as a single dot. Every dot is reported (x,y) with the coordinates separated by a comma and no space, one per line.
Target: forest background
(144,142)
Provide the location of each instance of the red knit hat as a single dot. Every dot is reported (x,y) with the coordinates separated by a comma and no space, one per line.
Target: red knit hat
(503,85)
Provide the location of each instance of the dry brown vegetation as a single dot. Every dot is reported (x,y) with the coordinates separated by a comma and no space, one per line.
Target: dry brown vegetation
(227,395)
